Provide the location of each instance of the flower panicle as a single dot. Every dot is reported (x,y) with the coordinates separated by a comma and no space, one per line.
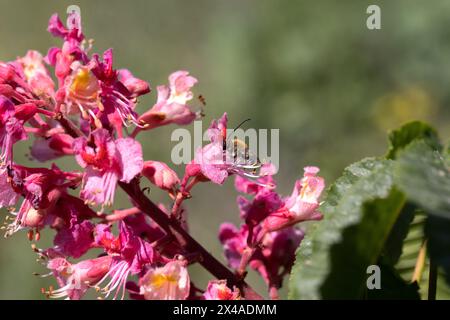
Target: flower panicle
(85,114)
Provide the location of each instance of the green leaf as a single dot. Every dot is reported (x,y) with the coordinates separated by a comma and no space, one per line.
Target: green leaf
(411,248)
(393,287)
(422,174)
(437,230)
(412,131)
(393,247)
(407,262)
(447,156)
(360,210)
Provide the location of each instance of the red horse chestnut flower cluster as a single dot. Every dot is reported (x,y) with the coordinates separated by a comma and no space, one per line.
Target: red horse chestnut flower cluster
(146,249)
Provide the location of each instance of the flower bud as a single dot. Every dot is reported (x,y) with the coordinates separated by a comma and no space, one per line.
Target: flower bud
(160,175)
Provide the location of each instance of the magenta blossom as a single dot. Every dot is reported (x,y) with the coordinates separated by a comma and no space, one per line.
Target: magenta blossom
(160,175)
(218,290)
(130,255)
(11,127)
(146,248)
(215,163)
(171,106)
(107,162)
(117,96)
(72,49)
(277,255)
(75,240)
(273,257)
(8,197)
(75,279)
(41,189)
(234,242)
(37,75)
(302,205)
(170,282)
(53,147)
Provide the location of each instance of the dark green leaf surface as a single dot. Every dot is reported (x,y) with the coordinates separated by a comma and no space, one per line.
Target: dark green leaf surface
(394,245)
(393,287)
(437,230)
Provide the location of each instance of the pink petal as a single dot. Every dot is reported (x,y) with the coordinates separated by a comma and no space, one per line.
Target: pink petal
(131,160)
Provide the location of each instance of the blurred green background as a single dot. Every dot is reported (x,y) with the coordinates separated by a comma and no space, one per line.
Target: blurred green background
(310,68)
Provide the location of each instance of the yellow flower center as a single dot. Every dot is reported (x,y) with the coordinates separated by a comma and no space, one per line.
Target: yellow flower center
(84,84)
(158,280)
(29,71)
(307,192)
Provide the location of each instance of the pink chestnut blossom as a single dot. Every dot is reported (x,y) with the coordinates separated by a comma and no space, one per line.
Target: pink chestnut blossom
(75,240)
(108,162)
(265,202)
(13,85)
(211,158)
(84,115)
(71,33)
(234,242)
(11,127)
(41,189)
(67,215)
(55,146)
(81,92)
(91,86)
(130,256)
(170,282)
(218,290)
(277,255)
(264,182)
(36,74)
(160,175)
(118,97)
(72,49)
(8,197)
(135,86)
(215,162)
(171,106)
(75,279)
(303,203)
(273,257)
(148,230)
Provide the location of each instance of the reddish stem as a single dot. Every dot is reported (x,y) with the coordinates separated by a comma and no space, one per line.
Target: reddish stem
(121,214)
(181,195)
(70,128)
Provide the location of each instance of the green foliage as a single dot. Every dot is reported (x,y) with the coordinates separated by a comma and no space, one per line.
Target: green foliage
(369,215)
(361,205)
(447,156)
(437,232)
(402,137)
(393,285)
(422,173)
(409,256)
(394,245)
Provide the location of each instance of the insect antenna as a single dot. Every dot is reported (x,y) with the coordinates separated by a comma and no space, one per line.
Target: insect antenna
(240,124)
